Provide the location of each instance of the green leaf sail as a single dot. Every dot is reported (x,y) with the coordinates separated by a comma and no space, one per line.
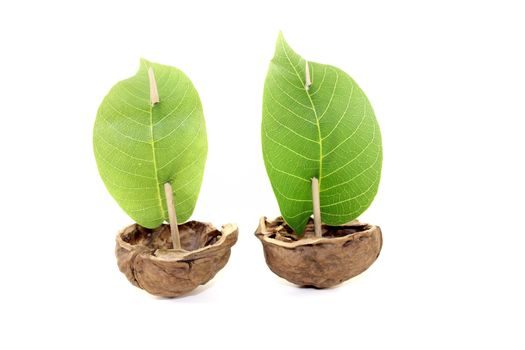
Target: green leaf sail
(328,131)
(139,146)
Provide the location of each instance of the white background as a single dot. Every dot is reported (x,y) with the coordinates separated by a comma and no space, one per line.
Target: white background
(447,82)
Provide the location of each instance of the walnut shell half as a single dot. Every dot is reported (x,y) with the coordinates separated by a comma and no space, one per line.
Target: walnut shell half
(341,253)
(148,259)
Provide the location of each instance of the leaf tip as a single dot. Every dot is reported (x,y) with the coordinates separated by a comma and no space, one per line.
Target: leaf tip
(144,64)
(280,38)
(282,46)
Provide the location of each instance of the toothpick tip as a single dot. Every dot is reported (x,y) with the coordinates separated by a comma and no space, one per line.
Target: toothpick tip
(308,81)
(153,92)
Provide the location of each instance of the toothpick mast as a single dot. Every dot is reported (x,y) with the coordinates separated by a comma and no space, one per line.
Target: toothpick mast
(315,182)
(174,227)
(316,207)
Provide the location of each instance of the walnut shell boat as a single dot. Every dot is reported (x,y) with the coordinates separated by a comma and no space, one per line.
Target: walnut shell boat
(147,258)
(341,253)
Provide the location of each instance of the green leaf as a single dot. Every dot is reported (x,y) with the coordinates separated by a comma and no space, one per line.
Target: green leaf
(328,131)
(139,146)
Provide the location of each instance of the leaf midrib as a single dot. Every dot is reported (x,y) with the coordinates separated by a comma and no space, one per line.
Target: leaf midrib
(315,114)
(155,168)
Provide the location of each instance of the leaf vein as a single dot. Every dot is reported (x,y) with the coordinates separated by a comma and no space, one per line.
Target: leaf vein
(121,170)
(342,116)
(332,96)
(121,151)
(290,129)
(356,157)
(289,110)
(321,84)
(355,176)
(289,96)
(178,126)
(181,153)
(288,148)
(284,172)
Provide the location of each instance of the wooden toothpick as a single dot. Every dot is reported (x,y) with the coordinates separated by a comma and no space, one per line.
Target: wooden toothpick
(153,92)
(317,207)
(308,82)
(172,216)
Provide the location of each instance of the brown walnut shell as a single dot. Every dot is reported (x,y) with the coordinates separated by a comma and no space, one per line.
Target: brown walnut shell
(147,258)
(341,253)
